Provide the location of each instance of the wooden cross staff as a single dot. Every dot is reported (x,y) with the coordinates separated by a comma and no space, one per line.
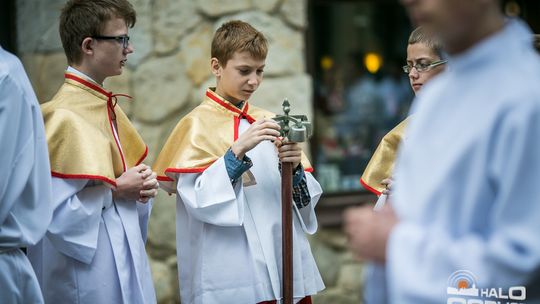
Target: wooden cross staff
(299,131)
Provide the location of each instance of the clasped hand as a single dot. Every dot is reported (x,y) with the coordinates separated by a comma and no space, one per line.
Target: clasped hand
(137,183)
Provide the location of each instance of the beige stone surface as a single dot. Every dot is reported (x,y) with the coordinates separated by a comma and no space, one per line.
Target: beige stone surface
(141,33)
(46,72)
(195,52)
(266,5)
(335,295)
(273,91)
(295,13)
(152,136)
(214,8)
(161,276)
(327,259)
(161,88)
(350,277)
(162,227)
(121,84)
(172,19)
(197,93)
(286,45)
(37,25)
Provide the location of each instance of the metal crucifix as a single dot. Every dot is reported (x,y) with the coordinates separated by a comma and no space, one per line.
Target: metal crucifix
(294,128)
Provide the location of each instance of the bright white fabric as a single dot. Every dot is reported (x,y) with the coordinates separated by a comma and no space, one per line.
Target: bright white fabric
(94,249)
(229,238)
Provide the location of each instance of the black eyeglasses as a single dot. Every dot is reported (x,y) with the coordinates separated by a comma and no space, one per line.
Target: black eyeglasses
(123,39)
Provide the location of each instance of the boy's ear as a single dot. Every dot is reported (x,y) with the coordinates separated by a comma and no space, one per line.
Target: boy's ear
(215,66)
(87,47)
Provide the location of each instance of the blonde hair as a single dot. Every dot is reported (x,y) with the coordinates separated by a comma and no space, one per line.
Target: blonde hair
(238,36)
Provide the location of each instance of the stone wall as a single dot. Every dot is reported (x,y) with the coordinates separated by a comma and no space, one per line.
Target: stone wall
(167,76)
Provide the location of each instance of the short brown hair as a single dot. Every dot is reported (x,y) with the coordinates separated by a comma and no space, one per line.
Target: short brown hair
(86,18)
(238,36)
(419,35)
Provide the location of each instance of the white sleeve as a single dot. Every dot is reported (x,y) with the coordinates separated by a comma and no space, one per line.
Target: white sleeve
(144,210)
(210,197)
(306,215)
(77,214)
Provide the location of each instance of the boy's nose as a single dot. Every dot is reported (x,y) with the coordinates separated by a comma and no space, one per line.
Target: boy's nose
(413,74)
(253,80)
(130,49)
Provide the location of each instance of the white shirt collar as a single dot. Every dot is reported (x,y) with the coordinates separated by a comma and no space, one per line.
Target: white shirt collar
(73,70)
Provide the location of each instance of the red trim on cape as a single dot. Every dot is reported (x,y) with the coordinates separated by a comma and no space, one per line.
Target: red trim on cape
(164,178)
(84,176)
(143,156)
(110,106)
(89,84)
(236,127)
(186,170)
(194,170)
(116,140)
(231,108)
(371,189)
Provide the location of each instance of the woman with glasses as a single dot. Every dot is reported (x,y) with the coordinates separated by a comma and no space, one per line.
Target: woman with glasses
(424,61)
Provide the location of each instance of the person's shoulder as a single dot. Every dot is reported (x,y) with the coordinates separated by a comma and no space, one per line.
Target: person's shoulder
(194,116)
(10,66)
(8,63)
(523,86)
(61,115)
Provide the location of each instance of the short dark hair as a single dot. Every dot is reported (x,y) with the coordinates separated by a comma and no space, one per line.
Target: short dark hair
(85,18)
(238,36)
(419,35)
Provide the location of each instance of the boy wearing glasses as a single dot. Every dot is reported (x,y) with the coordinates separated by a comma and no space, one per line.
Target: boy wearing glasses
(424,61)
(94,250)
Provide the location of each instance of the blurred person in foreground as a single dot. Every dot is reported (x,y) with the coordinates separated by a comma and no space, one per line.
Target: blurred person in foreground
(464,212)
(25,188)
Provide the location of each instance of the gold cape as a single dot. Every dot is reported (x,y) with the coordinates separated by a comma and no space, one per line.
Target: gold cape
(203,136)
(381,164)
(80,135)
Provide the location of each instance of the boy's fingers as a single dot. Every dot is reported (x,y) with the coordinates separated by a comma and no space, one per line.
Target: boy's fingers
(146,173)
(141,167)
(270,125)
(152,175)
(148,193)
(151,184)
(268,137)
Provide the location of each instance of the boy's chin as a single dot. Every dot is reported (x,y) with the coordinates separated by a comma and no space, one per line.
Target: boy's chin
(246,95)
(117,72)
